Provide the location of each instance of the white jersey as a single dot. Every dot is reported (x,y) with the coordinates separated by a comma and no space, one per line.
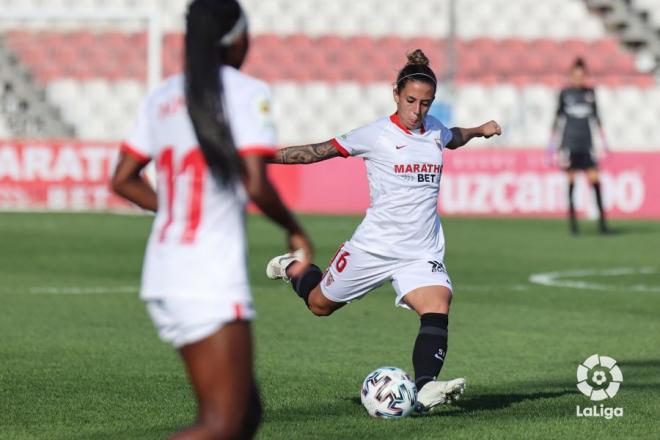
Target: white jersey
(404,170)
(197,244)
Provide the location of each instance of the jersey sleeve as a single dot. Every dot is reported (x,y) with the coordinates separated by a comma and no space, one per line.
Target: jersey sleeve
(446,135)
(139,142)
(357,142)
(254,129)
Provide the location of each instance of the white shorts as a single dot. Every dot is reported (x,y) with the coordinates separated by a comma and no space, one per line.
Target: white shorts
(182,321)
(353,273)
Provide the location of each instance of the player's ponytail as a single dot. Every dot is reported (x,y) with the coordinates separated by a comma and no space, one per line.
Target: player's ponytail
(207,22)
(417,69)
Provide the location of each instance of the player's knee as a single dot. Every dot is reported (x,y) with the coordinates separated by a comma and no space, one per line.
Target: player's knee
(319,305)
(437,302)
(320,310)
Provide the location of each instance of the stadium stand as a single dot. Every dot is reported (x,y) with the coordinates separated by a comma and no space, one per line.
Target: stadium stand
(298,57)
(331,70)
(636,24)
(4,129)
(652,8)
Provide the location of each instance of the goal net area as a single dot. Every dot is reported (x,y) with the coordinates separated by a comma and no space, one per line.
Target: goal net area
(71,81)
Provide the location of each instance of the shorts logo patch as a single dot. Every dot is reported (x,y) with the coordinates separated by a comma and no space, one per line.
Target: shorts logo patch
(329,279)
(436,266)
(346,135)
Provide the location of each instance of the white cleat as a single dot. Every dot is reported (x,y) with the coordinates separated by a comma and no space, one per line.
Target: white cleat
(438,392)
(276,268)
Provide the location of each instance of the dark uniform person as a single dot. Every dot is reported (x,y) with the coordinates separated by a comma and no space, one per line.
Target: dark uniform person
(577,110)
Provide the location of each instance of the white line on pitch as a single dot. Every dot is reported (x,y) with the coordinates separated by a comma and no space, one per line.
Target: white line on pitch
(562,279)
(96,290)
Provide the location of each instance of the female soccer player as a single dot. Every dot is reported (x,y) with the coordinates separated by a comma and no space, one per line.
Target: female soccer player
(209,132)
(577,109)
(400,239)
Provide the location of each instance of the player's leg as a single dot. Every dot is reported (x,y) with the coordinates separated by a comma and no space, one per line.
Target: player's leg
(432,305)
(305,285)
(429,299)
(351,274)
(320,305)
(594,180)
(425,288)
(309,290)
(220,369)
(572,216)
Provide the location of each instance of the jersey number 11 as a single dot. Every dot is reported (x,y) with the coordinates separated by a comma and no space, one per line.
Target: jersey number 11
(193,162)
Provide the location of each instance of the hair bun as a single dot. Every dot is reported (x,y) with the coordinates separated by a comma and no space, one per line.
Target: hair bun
(418,58)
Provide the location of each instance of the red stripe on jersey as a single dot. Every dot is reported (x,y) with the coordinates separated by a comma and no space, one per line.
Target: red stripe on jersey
(194,161)
(339,148)
(166,167)
(134,152)
(238,311)
(395,120)
(259,150)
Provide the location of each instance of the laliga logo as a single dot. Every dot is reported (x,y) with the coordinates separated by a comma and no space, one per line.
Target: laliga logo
(599,378)
(597,368)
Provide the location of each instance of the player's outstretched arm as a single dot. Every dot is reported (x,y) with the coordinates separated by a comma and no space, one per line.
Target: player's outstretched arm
(463,135)
(302,154)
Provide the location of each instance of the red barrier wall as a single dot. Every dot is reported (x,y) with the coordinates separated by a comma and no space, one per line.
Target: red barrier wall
(73,175)
(486,182)
(57,175)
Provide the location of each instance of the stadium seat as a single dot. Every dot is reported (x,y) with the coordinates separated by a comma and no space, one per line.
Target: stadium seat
(5,132)
(316,51)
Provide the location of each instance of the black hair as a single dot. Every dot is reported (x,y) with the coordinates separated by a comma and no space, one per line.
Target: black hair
(579,63)
(207,22)
(417,68)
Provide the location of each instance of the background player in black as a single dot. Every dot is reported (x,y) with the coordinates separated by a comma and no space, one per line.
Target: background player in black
(576,111)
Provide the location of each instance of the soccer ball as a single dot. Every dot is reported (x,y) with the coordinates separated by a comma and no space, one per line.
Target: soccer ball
(389,393)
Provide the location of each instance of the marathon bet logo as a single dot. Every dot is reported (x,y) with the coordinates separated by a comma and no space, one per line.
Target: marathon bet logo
(599,378)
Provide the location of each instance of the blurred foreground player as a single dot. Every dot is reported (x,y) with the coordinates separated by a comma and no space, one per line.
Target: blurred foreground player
(575,113)
(209,132)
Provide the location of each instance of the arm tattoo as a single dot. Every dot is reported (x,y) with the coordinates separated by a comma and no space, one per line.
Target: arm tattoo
(302,154)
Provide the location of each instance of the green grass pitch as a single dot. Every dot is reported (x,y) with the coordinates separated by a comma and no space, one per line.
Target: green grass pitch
(79,358)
